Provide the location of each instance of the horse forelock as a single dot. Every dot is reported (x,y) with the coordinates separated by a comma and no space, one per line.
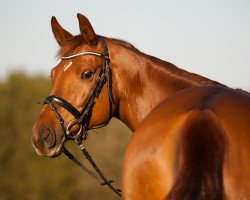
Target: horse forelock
(70,45)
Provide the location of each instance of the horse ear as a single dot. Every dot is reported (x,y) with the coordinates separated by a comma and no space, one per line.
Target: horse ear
(87,30)
(60,34)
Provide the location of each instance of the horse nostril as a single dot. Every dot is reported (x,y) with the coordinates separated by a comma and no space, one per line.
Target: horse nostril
(48,138)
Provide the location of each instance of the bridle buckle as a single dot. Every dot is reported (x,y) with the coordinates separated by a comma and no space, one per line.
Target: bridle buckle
(71,134)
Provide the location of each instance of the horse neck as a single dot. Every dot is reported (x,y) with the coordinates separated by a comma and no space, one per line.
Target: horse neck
(140,82)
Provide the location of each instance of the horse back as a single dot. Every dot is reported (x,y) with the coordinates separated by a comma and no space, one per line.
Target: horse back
(194,145)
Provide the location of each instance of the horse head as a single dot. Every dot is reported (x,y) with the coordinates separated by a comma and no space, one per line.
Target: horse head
(78,81)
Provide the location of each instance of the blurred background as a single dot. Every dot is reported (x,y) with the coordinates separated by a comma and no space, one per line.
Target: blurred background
(211,38)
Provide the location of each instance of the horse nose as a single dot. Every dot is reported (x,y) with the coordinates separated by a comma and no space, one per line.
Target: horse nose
(47,138)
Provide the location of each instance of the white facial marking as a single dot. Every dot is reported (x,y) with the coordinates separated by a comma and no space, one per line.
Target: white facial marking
(67,66)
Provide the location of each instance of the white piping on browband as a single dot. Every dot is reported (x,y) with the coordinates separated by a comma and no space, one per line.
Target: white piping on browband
(81,54)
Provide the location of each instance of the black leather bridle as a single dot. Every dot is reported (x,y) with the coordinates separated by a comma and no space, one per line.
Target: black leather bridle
(82,117)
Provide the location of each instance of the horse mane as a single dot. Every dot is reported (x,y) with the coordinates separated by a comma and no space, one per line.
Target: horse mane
(71,44)
(125,44)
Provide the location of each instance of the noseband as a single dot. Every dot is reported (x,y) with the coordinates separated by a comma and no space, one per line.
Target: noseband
(82,117)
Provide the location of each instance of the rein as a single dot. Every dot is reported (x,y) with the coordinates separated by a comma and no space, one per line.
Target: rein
(82,118)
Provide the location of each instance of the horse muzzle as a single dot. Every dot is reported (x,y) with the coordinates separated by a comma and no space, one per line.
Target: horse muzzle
(46,142)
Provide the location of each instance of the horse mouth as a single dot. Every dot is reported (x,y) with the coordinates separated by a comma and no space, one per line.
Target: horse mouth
(59,149)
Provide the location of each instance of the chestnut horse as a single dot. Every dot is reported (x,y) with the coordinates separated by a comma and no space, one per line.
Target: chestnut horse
(99,78)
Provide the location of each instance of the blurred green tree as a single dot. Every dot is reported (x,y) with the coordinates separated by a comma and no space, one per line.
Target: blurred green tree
(25,175)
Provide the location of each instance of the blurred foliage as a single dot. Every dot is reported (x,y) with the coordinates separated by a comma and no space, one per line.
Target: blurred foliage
(25,175)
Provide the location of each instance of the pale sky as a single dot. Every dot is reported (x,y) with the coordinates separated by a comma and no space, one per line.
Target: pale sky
(211,37)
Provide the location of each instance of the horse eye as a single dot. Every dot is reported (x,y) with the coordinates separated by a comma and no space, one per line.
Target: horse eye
(86,74)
